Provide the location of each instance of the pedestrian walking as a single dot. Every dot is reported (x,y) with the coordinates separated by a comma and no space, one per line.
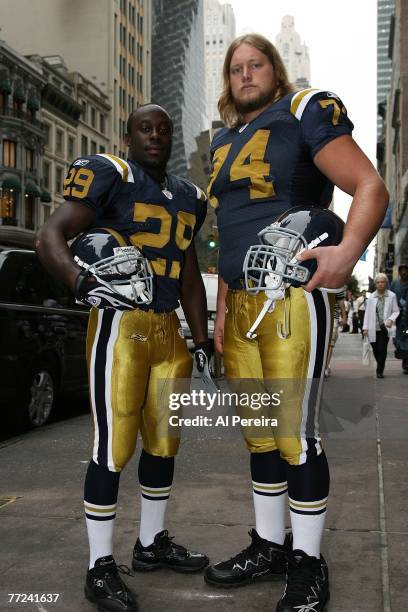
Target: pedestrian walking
(360,303)
(380,315)
(400,288)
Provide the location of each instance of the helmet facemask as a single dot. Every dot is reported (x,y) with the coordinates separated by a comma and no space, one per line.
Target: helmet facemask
(127,272)
(272,265)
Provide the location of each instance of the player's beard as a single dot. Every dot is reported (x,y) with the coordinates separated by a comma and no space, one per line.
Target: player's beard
(253,104)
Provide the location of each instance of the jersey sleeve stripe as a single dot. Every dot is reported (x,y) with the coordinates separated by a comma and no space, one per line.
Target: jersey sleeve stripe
(301,99)
(200,194)
(121,166)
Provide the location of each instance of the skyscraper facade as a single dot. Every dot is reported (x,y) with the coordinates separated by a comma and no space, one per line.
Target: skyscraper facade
(385,9)
(219,32)
(294,53)
(107,41)
(178,73)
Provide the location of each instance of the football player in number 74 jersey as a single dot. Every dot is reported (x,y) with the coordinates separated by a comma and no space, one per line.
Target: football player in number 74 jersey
(134,354)
(283,150)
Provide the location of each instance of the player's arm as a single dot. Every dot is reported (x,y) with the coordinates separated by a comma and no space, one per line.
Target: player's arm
(220,315)
(193,297)
(343,162)
(65,223)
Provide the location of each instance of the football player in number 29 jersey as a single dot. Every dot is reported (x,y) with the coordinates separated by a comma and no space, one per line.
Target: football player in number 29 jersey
(283,149)
(135,355)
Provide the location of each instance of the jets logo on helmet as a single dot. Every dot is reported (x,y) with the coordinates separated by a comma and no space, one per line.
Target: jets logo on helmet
(121,276)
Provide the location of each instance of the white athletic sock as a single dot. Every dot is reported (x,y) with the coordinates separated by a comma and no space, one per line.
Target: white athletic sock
(270,502)
(307,528)
(100,532)
(153,510)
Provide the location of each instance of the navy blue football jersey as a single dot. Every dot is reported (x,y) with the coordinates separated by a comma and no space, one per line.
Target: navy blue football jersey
(161,222)
(263,168)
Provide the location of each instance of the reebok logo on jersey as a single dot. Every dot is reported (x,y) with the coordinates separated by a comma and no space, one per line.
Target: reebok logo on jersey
(81,162)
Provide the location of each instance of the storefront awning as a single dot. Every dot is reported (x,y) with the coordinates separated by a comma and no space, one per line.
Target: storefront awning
(32,189)
(5,86)
(11,182)
(45,196)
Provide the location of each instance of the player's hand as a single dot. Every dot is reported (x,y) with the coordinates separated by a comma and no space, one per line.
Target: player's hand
(219,332)
(365,332)
(334,266)
(202,356)
(389,323)
(89,290)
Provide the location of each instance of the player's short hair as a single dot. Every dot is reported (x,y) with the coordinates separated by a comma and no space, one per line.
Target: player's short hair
(132,114)
(226,103)
(381,276)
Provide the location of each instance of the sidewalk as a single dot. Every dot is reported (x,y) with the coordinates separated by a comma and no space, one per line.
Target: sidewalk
(43,538)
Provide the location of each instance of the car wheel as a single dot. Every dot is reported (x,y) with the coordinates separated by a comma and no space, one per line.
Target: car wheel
(42,390)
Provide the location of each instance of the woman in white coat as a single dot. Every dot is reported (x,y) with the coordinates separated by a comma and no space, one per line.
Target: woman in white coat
(381,311)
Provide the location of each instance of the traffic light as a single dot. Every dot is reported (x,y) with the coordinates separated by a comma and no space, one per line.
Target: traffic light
(212,241)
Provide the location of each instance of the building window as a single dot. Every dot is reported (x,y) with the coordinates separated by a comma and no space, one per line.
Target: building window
(93,147)
(9,153)
(29,205)
(46,212)
(71,147)
(46,174)
(47,134)
(59,142)
(29,160)
(102,149)
(58,179)
(7,210)
(102,123)
(3,101)
(93,117)
(84,111)
(84,145)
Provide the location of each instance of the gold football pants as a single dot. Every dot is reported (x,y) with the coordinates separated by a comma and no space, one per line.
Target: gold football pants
(134,358)
(293,366)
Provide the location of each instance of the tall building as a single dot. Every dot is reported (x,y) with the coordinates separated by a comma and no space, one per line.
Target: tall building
(295,54)
(107,41)
(385,9)
(392,243)
(219,32)
(178,73)
(75,115)
(22,139)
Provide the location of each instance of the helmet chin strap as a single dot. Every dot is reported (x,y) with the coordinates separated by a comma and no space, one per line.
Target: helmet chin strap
(274,293)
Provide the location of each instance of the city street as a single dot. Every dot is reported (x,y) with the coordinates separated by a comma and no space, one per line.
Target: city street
(42,530)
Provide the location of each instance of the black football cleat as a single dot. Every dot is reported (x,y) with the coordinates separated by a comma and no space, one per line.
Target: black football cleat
(105,588)
(261,560)
(307,584)
(165,553)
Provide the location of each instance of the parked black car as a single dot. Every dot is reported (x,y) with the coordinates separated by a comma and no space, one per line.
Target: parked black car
(42,340)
